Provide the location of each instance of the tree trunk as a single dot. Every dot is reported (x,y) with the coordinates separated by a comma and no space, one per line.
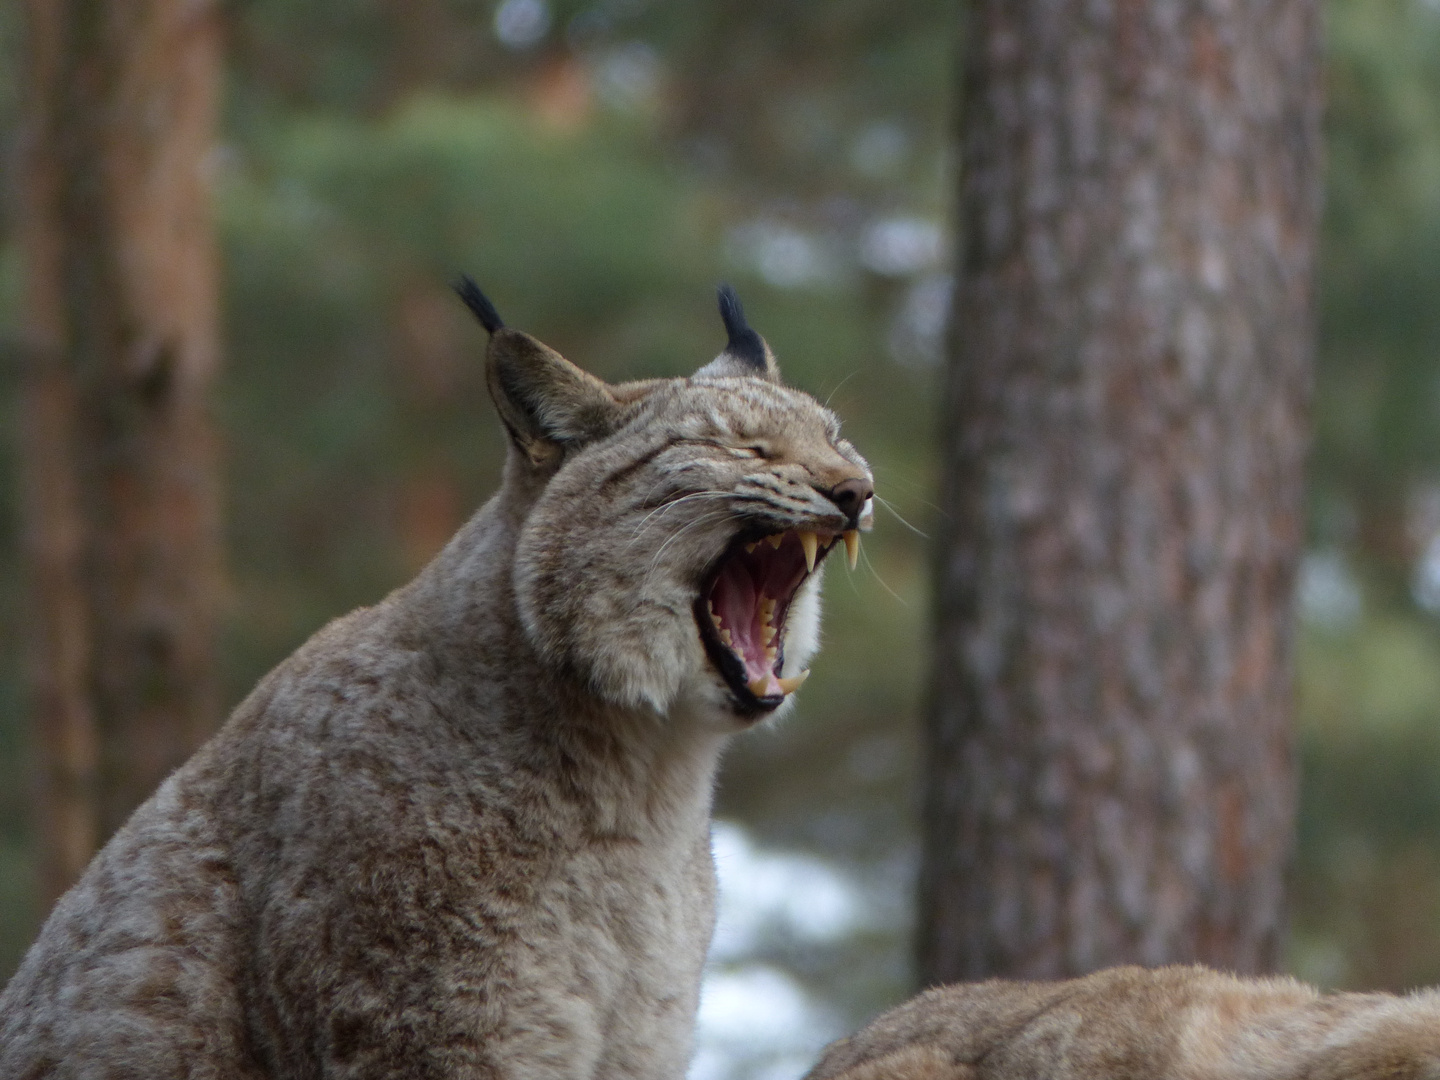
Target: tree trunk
(120,313)
(1110,771)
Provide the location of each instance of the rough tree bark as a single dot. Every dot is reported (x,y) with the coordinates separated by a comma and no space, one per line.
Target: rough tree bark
(121,339)
(1110,773)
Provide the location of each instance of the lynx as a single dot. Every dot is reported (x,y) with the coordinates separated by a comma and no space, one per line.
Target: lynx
(1129,1023)
(465,832)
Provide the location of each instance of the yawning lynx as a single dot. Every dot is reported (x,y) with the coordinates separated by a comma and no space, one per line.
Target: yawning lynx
(465,833)
(1129,1023)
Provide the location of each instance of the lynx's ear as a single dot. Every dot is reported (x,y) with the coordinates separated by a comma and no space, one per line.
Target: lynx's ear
(745,352)
(546,402)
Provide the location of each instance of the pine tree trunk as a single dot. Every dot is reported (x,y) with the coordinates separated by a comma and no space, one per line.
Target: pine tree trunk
(120,314)
(1110,770)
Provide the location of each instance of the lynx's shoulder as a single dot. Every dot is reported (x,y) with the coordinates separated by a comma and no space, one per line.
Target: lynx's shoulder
(1130,1023)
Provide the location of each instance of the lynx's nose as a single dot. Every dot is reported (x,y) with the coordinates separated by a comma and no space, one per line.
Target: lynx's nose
(850,495)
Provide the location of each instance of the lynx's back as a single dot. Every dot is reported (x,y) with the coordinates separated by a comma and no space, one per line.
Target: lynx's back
(1130,1023)
(465,833)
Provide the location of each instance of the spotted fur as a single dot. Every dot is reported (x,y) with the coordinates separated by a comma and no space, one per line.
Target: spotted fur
(465,832)
(1130,1023)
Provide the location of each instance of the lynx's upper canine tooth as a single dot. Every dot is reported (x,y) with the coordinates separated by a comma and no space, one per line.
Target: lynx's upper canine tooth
(811,543)
(852,547)
(789,686)
(776,540)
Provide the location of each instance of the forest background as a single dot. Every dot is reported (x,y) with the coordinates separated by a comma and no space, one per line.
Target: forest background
(598,167)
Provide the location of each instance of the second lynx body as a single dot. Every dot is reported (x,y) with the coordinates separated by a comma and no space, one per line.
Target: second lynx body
(1130,1023)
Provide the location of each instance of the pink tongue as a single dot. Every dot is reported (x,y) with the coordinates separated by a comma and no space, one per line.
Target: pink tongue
(737,602)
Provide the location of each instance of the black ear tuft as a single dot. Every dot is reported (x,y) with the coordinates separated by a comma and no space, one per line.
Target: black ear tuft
(478,302)
(744,344)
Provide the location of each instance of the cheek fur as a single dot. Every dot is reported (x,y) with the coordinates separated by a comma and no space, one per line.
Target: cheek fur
(802,628)
(611,607)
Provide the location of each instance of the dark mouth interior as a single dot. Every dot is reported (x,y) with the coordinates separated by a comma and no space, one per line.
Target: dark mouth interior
(742,613)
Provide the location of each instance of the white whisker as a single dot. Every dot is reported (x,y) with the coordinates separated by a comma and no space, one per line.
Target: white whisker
(886,504)
(655,559)
(871,567)
(838,385)
(674,503)
(891,481)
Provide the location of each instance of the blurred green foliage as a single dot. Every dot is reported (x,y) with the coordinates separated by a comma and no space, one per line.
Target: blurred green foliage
(1367,881)
(1379,386)
(598,181)
(1366,902)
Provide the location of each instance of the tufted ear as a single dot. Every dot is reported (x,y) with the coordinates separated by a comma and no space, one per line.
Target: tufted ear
(546,403)
(745,351)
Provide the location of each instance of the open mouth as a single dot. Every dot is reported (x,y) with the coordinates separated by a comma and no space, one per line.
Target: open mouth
(742,608)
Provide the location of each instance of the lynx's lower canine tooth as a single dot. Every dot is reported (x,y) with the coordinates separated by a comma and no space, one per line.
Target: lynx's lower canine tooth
(789,686)
(811,543)
(776,540)
(852,547)
(757,686)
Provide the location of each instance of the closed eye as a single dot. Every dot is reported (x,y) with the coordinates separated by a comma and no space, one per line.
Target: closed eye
(752,452)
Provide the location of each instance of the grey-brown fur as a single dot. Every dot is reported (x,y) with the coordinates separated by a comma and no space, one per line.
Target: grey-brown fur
(1130,1023)
(463,833)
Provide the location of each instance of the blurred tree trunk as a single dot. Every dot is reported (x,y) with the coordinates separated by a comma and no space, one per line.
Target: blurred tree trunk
(1110,772)
(120,492)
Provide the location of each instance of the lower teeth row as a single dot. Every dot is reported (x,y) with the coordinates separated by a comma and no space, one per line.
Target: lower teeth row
(768,631)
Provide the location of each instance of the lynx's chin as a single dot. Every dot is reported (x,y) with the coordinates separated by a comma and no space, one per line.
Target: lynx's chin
(742,609)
